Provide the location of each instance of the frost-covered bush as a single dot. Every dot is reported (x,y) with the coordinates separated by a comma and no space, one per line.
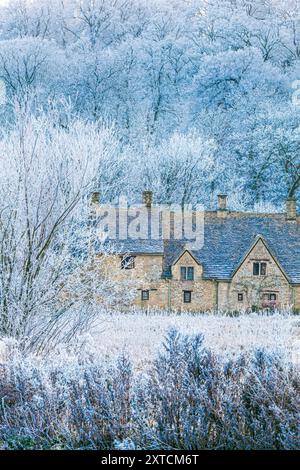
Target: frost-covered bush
(82,404)
(198,401)
(188,399)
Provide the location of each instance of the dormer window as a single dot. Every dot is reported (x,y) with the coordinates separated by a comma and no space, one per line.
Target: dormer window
(187,273)
(128,262)
(259,268)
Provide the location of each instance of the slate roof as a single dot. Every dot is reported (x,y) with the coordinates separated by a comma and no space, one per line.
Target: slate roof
(132,246)
(227,241)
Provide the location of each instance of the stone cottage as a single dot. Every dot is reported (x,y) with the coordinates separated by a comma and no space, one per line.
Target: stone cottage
(247,261)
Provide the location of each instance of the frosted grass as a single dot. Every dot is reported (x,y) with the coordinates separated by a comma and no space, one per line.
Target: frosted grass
(141,334)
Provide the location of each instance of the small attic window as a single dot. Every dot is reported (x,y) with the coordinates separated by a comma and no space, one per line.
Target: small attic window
(255,269)
(187,273)
(259,268)
(263,269)
(128,262)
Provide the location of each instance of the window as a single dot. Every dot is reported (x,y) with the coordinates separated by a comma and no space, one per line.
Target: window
(240,297)
(128,262)
(270,297)
(259,268)
(187,296)
(187,273)
(263,269)
(255,269)
(145,295)
(190,274)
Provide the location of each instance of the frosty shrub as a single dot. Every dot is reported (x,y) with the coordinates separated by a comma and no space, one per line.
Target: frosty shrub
(196,401)
(81,405)
(189,399)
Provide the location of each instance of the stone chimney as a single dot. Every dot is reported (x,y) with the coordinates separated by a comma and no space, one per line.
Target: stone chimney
(222,205)
(148,199)
(95,198)
(222,202)
(291,209)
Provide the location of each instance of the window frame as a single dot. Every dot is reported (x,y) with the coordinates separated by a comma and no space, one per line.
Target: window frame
(256,269)
(259,268)
(267,296)
(263,268)
(190,269)
(127,265)
(187,273)
(240,297)
(147,297)
(189,300)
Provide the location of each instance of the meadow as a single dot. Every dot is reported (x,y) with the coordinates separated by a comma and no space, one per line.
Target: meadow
(140,334)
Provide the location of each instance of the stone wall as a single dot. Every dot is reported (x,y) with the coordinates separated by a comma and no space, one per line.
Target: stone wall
(163,293)
(297,297)
(148,268)
(205,294)
(253,287)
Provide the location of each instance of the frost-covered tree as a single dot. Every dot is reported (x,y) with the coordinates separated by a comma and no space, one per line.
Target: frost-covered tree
(47,276)
(156,69)
(182,170)
(30,69)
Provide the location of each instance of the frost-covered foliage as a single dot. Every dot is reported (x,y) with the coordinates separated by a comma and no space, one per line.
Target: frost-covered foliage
(48,285)
(186,98)
(225,335)
(189,398)
(219,76)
